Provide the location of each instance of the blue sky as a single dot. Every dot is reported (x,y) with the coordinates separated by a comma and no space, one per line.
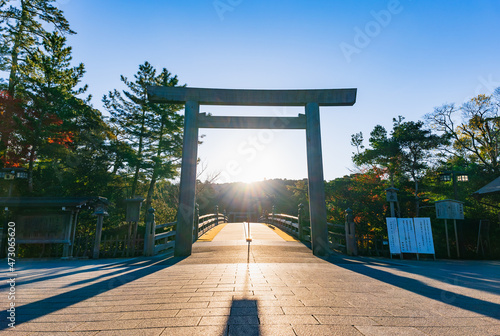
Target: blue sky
(405,57)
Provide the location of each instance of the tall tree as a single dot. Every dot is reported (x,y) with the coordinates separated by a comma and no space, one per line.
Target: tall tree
(154,131)
(405,152)
(24,27)
(416,145)
(50,86)
(476,135)
(384,153)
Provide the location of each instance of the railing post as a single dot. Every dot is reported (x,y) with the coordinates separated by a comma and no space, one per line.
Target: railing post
(196,222)
(149,235)
(350,233)
(300,219)
(225,216)
(272,215)
(216,215)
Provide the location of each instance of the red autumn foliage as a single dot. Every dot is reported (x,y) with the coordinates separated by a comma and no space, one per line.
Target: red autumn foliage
(18,135)
(13,150)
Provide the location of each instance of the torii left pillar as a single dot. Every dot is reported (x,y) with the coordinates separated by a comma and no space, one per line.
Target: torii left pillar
(184,235)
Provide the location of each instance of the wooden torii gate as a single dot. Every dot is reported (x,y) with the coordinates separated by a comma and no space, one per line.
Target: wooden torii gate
(310,99)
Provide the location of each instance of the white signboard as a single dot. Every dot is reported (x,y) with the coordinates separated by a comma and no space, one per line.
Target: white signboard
(393,235)
(407,235)
(423,233)
(449,209)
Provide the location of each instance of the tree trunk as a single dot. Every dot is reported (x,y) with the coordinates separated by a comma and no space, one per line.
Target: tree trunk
(152,183)
(139,154)
(30,169)
(417,201)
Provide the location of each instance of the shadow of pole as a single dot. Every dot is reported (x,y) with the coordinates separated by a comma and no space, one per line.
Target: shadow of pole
(243,319)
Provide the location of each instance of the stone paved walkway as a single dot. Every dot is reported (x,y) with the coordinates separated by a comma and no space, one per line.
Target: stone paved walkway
(282,290)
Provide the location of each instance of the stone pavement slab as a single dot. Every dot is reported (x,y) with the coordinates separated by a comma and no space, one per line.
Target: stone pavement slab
(273,287)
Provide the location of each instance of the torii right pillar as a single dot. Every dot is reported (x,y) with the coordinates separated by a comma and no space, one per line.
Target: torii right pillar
(317,203)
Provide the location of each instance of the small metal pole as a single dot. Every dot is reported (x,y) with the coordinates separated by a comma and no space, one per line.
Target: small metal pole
(456,237)
(479,237)
(447,239)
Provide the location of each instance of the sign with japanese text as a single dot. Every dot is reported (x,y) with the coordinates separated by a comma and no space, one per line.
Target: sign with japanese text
(423,233)
(407,235)
(449,209)
(393,235)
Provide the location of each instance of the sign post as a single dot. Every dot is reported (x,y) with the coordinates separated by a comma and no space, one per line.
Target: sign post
(450,209)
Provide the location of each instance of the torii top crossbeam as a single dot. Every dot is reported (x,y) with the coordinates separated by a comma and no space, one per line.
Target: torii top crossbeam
(323,97)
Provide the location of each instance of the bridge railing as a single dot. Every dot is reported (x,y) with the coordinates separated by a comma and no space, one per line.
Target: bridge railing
(293,225)
(336,235)
(341,237)
(207,222)
(161,237)
(164,240)
(287,223)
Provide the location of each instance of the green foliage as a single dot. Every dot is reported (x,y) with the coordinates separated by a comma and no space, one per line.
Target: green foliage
(152,131)
(24,27)
(384,152)
(53,112)
(406,153)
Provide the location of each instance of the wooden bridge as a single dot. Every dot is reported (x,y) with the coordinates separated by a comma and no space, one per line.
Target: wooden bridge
(162,237)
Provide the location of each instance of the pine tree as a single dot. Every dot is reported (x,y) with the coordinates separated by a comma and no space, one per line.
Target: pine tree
(49,86)
(152,130)
(23,25)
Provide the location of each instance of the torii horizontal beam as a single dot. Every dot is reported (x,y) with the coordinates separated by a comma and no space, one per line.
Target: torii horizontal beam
(323,97)
(205,121)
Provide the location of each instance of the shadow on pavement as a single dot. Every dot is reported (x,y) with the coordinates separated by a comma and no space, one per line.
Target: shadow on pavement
(243,319)
(362,266)
(145,267)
